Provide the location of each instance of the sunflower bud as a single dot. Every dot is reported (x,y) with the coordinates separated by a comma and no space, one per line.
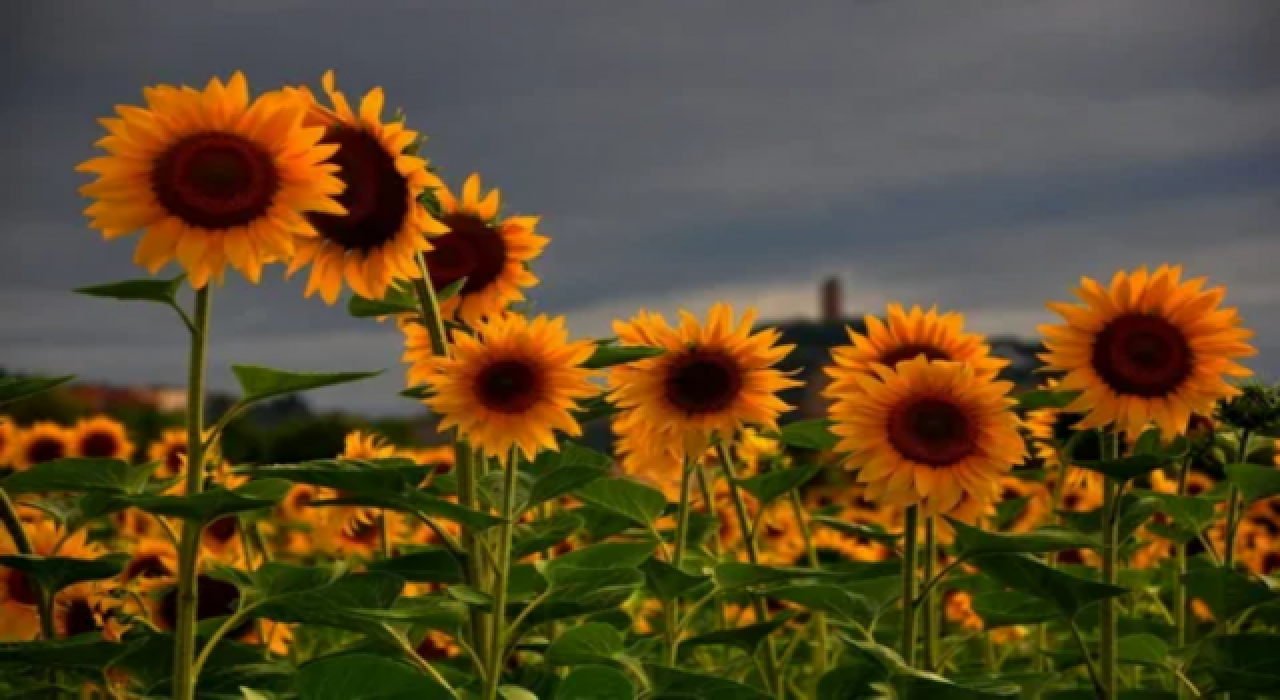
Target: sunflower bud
(1256,409)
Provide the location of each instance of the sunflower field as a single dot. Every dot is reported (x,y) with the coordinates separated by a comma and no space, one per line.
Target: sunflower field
(1111,534)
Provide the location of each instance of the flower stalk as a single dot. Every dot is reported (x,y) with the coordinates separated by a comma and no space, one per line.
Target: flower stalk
(671,608)
(931,622)
(498,632)
(910,547)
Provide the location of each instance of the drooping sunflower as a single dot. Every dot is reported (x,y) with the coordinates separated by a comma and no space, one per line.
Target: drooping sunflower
(905,335)
(715,379)
(512,384)
(213,177)
(84,609)
(40,442)
(1151,349)
(152,559)
(493,255)
(377,238)
(103,437)
(929,432)
(214,598)
(8,436)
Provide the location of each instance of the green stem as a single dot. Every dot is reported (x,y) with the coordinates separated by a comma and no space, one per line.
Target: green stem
(184,670)
(1179,586)
(1094,675)
(907,642)
(497,633)
(18,533)
(671,608)
(1233,508)
(774,676)
(931,621)
(464,466)
(1108,651)
(1051,559)
(819,618)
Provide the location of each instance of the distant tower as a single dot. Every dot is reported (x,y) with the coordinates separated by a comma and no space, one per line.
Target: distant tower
(831,310)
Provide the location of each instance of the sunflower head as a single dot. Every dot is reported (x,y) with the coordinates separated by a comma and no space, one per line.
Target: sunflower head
(1150,349)
(512,384)
(906,335)
(42,442)
(491,254)
(170,450)
(929,432)
(101,436)
(713,379)
(152,559)
(8,436)
(212,176)
(374,237)
(362,445)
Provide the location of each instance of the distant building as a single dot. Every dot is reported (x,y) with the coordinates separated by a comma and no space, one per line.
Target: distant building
(105,398)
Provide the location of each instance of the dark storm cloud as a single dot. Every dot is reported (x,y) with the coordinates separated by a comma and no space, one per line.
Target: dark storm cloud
(981,158)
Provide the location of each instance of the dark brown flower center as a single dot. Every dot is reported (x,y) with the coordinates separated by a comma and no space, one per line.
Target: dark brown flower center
(222,530)
(363,532)
(1270,562)
(78,618)
(173,458)
(1142,355)
(100,444)
(433,649)
(215,180)
(149,566)
(46,449)
(20,587)
(376,197)
(933,432)
(472,249)
(214,598)
(911,351)
(703,381)
(509,386)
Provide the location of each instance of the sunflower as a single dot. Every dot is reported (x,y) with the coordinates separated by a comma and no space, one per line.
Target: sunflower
(213,177)
(19,618)
(1151,349)
(1050,430)
(375,240)
(101,436)
(437,646)
(84,609)
(906,335)
(512,384)
(41,442)
(151,559)
(215,598)
(361,445)
(715,379)
(170,450)
(8,436)
(440,459)
(1033,511)
(493,255)
(929,432)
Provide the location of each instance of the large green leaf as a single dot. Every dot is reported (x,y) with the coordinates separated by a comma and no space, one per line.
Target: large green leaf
(560,482)
(541,535)
(1228,592)
(260,383)
(210,505)
(630,499)
(596,683)
(1023,573)
(606,555)
(748,638)
(769,486)
(414,501)
(78,474)
(14,389)
(1132,650)
(343,603)
(808,435)
(352,476)
(1136,508)
(920,685)
(1128,468)
(56,573)
(671,683)
(612,355)
(869,532)
(1255,482)
(1243,662)
(86,651)
(829,598)
(733,575)
(152,290)
(397,301)
(365,677)
(852,680)
(668,583)
(1193,514)
(1012,608)
(593,642)
(973,541)
(425,566)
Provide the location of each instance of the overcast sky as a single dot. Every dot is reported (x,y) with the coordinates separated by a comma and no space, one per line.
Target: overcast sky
(979,155)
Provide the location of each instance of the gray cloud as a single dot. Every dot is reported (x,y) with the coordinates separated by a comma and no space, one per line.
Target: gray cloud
(981,158)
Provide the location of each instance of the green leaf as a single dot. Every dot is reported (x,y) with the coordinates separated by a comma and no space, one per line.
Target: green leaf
(1242,662)
(593,409)
(920,685)
(158,291)
(668,583)
(1023,573)
(612,355)
(342,604)
(1012,608)
(1194,514)
(276,578)
(418,393)
(732,575)
(1037,399)
(397,301)
(426,566)
(352,476)
(210,505)
(671,683)
(808,435)
(56,573)
(543,534)
(769,486)
(559,482)
(1255,482)
(413,501)
(828,598)
(1228,592)
(747,638)
(596,683)
(81,474)
(13,389)
(606,555)
(365,677)
(260,383)
(630,499)
(86,651)
(593,642)
(1136,507)
(972,541)
(851,680)
(868,532)
(1126,468)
